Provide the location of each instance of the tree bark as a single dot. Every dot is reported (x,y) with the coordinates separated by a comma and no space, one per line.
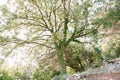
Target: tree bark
(60,55)
(61,61)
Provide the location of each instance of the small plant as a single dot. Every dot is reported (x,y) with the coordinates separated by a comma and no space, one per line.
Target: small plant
(4,75)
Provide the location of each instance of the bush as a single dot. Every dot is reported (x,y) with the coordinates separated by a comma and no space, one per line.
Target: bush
(4,75)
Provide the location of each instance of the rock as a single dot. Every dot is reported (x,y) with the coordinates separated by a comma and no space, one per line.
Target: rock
(109,71)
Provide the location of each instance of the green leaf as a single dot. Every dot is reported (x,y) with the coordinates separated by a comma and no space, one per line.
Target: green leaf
(107,23)
(97,21)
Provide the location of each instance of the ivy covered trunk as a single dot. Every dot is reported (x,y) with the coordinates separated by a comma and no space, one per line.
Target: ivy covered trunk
(60,55)
(61,62)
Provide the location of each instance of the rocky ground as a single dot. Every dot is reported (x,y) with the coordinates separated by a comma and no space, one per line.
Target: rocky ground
(109,71)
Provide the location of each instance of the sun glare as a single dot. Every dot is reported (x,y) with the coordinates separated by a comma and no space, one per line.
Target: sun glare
(3,2)
(11,62)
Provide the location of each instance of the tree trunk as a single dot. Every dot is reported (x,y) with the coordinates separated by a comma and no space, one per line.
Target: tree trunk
(61,60)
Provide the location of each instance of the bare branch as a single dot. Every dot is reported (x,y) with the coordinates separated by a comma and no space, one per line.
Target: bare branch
(91,30)
(42,16)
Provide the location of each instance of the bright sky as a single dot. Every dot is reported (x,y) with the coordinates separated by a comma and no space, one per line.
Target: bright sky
(3,2)
(11,61)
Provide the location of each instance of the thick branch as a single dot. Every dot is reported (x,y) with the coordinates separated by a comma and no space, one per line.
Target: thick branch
(65,21)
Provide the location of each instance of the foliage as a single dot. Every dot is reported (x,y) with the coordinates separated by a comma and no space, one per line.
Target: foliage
(42,75)
(4,75)
(21,76)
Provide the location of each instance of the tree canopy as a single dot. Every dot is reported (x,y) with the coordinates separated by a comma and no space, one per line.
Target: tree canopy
(47,26)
